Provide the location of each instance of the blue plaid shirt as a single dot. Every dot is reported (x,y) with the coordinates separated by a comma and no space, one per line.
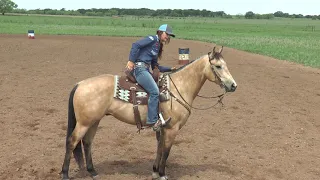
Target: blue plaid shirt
(146,50)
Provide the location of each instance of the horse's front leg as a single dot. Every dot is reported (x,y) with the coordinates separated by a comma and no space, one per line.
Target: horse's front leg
(168,136)
(155,174)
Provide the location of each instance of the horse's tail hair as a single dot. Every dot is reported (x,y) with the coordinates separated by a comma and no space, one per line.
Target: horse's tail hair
(71,115)
(77,152)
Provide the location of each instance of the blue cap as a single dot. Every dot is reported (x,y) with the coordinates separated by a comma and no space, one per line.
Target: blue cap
(166,28)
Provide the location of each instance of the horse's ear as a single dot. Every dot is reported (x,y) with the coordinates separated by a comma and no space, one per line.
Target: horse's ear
(221,50)
(214,50)
(212,53)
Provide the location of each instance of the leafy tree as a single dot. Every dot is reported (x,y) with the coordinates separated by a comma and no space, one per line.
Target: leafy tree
(7,6)
(249,15)
(111,12)
(45,11)
(82,11)
(287,15)
(278,14)
(297,16)
(220,13)
(267,16)
(20,11)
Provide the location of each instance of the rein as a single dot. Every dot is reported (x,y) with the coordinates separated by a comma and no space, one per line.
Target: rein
(210,97)
(187,105)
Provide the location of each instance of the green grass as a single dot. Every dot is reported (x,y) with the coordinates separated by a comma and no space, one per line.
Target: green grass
(286,39)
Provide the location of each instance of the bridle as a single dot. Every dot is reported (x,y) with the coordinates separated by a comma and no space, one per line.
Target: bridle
(188,106)
(214,71)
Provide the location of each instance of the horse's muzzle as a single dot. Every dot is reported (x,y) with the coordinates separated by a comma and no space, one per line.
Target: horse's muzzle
(231,88)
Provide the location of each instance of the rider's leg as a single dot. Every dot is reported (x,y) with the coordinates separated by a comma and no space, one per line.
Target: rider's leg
(145,79)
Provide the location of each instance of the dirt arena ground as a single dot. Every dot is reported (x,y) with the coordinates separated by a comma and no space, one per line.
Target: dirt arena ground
(269,129)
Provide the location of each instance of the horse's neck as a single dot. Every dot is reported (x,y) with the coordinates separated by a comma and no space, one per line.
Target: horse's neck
(190,79)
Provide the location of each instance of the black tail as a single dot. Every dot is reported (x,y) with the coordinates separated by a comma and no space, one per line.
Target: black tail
(77,152)
(71,115)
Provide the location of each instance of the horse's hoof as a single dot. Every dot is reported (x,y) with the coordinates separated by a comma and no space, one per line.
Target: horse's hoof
(164,178)
(95,177)
(65,178)
(155,176)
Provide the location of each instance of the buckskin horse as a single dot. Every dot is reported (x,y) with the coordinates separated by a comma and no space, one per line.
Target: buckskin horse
(92,99)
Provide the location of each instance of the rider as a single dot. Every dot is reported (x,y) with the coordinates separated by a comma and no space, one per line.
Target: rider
(145,53)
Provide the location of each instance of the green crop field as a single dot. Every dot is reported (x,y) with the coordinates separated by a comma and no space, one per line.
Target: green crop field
(296,40)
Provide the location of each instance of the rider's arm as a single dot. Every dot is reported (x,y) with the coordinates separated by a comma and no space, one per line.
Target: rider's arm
(164,69)
(155,64)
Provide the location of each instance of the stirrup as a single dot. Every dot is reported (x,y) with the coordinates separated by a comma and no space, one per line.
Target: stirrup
(160,124)
(164,122)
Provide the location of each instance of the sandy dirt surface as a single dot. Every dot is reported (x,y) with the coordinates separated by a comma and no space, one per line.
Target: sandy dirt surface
(267,130)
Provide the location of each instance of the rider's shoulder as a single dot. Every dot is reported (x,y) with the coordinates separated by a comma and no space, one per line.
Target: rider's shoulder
(151,37)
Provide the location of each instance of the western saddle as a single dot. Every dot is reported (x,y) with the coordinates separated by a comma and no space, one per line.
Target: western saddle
(128,90)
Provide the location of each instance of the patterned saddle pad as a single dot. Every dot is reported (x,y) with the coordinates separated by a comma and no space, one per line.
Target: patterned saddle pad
(124,89)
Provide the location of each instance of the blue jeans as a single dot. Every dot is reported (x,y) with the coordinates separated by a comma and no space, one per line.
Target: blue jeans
(145,79)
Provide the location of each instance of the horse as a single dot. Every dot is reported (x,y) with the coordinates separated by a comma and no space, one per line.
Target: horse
(93,98)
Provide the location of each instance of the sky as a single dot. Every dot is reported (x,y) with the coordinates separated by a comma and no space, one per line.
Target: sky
(233,7)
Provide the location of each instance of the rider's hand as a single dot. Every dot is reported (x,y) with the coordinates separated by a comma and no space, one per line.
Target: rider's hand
(130,65)
(173,68)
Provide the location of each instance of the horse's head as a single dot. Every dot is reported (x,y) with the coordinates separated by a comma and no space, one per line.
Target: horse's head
(218,72)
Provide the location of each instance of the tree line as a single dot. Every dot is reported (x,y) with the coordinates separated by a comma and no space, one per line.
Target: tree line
(8,6)
(126,12)
(252,15)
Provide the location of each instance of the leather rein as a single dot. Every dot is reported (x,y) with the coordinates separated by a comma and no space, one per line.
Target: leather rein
(188,106)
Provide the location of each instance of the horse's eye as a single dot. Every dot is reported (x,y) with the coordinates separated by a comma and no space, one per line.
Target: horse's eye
(218,67)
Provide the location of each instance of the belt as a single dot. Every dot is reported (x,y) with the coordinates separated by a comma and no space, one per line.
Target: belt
(142,64)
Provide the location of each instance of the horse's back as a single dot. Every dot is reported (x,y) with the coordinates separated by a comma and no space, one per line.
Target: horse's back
(93,96)
(103,78)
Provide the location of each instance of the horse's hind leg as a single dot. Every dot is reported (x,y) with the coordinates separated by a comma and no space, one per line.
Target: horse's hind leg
(87,142)
(78,155)
(71,144)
